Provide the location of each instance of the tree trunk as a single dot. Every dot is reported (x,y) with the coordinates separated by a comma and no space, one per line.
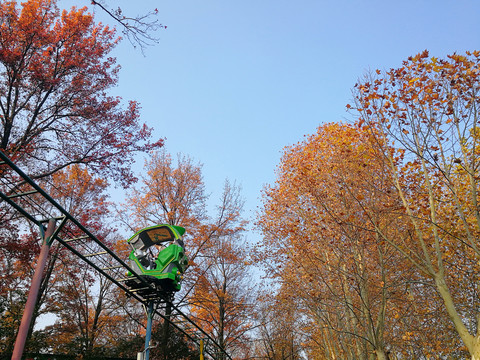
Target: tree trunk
(221,323)
(471,342)
(381,355)
(476,348)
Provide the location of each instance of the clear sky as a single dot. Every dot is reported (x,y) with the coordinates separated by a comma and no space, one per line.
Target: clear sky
(232,82)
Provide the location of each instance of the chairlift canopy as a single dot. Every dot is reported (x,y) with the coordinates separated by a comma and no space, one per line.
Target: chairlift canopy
(155,235)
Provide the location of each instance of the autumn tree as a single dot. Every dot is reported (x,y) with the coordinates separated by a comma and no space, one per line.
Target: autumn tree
(169,193)
(91,313)
(15,259)
(174,193)
(323,223)
(278,335)
(84,197)
(222,300)
(222,297)
(428,110)
(55,110)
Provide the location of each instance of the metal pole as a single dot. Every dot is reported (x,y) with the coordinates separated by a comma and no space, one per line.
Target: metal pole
(166,329)
(148,335)
(33,293)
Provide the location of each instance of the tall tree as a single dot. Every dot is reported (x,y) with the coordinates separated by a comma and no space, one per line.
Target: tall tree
(90,309)
(323,223)
(170,193)
(428,110)
(222,300)
(174,193)
(54,104)
(55,112)
(279,334)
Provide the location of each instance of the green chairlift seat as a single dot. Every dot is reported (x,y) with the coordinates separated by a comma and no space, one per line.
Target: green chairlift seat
(166,270)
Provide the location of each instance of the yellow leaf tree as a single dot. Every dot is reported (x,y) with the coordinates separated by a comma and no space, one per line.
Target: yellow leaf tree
(428,110)
(324,223)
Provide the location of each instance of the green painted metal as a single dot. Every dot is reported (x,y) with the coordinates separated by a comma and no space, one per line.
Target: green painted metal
(170,264)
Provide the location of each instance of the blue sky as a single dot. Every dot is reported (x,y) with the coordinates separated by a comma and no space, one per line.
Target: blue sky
(231,83)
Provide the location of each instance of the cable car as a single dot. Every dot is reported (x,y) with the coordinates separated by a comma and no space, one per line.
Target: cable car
(165,269)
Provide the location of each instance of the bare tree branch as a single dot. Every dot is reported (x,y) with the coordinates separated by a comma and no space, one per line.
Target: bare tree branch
(140,30)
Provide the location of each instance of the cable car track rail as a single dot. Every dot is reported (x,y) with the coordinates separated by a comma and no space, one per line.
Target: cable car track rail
(88,236)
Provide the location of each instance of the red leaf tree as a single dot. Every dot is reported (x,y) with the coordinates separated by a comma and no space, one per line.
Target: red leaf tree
(55,107)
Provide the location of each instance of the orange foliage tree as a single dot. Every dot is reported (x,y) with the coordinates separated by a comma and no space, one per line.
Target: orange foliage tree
(87,309)
(428,110)
(324,224)
(55,112)
(86,306)
(54,108)
(222,300)
(170,193)
(90,315)
(174,193)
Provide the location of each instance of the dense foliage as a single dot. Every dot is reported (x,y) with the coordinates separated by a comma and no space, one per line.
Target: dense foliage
(379,220)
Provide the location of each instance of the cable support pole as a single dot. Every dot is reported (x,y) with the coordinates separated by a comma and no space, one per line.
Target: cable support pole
(33,293)
(148,334)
